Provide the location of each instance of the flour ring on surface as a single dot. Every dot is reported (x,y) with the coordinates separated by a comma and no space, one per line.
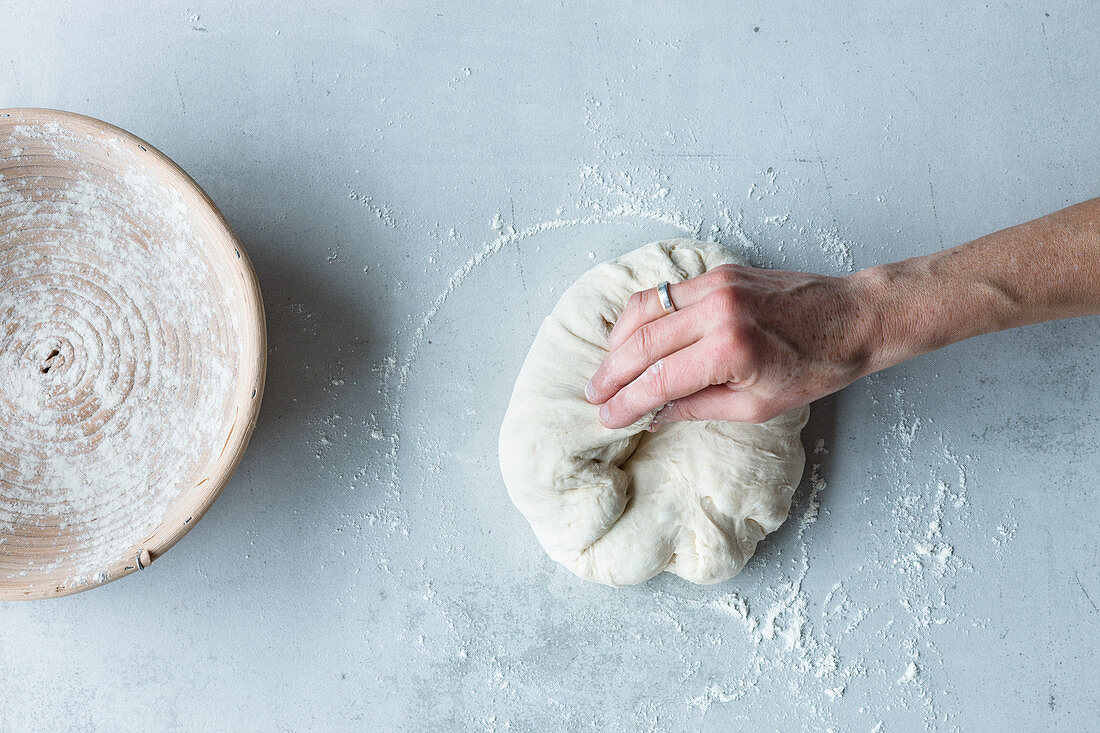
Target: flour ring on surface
(620,506)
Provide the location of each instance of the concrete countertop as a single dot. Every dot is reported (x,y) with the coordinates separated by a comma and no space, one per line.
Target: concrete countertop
(416,185)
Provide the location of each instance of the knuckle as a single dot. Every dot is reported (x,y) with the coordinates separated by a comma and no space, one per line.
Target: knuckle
(734,356)
(656,380)
(723,300)
(719,370)
(728,342)
(643,343)
(739,340)
(730,335)
(726,274)
(721,350)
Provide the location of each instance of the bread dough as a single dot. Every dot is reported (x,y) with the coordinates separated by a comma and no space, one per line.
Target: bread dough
(620,506)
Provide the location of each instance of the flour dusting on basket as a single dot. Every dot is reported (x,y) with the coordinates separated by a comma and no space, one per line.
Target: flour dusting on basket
(119,353)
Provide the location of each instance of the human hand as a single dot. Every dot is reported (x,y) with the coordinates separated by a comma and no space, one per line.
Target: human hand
(743,345)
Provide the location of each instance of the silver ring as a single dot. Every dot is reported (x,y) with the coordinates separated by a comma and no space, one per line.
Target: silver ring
(666,300)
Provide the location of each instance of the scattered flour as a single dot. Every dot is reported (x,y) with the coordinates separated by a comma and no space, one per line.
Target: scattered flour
(823,642)
(383,211)
(795,635)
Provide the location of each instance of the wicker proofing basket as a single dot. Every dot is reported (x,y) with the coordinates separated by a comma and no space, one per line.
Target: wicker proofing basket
(132,353)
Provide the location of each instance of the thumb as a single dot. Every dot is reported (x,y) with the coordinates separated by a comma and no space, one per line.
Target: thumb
(719,402)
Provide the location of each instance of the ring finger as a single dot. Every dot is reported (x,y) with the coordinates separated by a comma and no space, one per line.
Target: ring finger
(645,307)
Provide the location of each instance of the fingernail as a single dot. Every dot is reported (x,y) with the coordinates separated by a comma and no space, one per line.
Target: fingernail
(604,413)
(589,391)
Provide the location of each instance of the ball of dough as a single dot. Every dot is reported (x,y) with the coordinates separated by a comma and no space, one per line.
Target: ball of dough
(620,506)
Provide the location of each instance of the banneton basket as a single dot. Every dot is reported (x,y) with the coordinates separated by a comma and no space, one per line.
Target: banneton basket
(132,353)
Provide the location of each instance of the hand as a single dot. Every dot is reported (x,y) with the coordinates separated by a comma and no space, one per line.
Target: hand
(744,345)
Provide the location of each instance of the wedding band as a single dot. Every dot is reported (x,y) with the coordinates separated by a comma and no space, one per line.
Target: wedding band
(666,300)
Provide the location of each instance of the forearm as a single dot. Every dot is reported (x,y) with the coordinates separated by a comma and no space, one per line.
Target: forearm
(1043,270)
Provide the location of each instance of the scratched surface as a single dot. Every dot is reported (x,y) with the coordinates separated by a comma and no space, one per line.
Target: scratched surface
(416,185)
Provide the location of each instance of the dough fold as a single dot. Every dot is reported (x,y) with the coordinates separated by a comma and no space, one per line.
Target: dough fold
(620,506)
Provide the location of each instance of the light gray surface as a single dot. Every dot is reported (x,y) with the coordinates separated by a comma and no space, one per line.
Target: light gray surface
(364,564)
